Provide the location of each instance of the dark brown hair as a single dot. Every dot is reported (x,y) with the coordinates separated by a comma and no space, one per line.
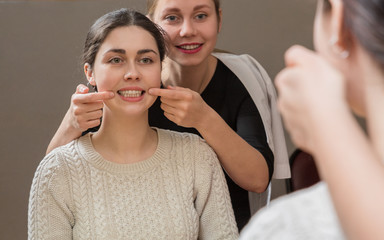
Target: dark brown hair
(364,19)
(119,18)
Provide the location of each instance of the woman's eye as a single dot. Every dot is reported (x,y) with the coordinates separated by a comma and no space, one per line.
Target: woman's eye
(115,60)
(171,18)
(146,60)
(201,16)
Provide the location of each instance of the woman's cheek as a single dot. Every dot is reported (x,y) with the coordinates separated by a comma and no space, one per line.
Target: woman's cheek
(102,85)
(171,32)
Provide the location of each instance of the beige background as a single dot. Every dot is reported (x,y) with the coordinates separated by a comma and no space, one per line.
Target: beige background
(40,45)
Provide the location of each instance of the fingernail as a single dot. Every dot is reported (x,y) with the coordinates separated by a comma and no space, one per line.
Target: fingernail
(82,89)
(111,94)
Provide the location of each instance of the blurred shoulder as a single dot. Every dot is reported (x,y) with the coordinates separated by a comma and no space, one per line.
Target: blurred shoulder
(294,216)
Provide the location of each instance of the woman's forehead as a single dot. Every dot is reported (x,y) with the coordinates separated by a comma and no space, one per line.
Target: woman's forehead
(129,37)
(183,4)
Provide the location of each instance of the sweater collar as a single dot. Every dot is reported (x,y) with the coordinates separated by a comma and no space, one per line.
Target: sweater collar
(89,154)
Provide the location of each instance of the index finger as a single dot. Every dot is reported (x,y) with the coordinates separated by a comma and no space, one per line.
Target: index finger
(166,93)
(81,88)
(298,55)
(94,97)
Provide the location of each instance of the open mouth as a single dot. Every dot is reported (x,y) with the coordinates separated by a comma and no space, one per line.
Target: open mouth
(189,47)
(130,93)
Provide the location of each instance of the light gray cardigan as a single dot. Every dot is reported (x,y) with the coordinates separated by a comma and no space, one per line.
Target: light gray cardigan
(260,87)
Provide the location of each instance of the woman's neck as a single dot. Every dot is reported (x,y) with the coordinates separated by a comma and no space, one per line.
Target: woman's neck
(195,77)
(125,139)
(374,101)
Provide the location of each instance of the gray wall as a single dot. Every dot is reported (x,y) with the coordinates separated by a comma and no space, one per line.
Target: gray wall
(40,45)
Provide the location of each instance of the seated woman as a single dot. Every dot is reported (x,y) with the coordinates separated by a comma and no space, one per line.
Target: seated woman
(128,180)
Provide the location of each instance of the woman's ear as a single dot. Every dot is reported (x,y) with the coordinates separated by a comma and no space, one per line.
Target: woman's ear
(89,74)
(220,17)
(339,35)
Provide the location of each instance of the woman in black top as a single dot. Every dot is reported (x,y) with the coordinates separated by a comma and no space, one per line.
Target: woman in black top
(229,98)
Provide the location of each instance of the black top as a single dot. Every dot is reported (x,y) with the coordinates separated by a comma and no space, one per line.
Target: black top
(230,99)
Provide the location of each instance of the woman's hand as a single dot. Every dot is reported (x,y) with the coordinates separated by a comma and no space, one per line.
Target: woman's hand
(182,106)
(84,112)
(86,108)
(243,163)
(310,93)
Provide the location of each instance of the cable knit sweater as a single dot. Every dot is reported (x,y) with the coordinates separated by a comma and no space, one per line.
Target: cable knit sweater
(178,193)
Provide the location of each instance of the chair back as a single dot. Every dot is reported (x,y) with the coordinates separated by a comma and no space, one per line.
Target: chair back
(303,171)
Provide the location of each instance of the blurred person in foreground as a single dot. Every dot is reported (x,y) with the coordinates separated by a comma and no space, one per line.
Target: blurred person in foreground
(318,94)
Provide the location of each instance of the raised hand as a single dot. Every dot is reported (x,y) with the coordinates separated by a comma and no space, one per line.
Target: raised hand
(86,108)
(84,112)
(182,106)
(310,92)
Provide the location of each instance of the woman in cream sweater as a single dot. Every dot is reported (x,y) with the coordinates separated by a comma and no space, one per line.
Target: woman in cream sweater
(128,180)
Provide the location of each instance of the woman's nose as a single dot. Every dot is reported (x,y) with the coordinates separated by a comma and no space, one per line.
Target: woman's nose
(187,29)
(132,73)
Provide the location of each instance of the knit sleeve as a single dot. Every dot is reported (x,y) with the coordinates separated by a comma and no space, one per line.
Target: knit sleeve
(49,214)
(213,203)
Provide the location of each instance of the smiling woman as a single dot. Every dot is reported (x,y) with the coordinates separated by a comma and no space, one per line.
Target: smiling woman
(129,180)
(228,99)
(137,61)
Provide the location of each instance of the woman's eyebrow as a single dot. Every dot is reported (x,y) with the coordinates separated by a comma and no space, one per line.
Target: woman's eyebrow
(198,7)
(115,50)
(143,51)
(171,9)
(122,51)
(177,10)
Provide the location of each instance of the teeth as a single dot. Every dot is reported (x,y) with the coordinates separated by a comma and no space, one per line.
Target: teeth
(130,93)
(190,47)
